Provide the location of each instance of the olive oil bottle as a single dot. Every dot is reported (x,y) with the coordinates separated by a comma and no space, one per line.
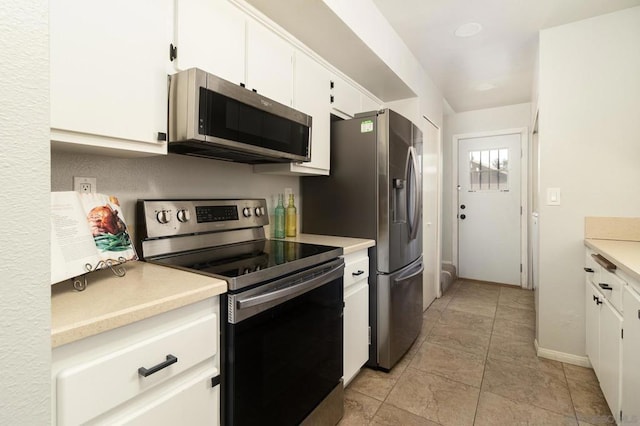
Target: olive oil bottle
(291,218)
(279,213)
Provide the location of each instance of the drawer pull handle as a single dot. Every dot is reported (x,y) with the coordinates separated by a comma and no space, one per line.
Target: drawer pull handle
(588,270)
(360,272)
(604,262)
(144,372)
(605,286)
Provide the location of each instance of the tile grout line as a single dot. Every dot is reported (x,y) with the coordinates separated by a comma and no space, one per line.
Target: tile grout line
(486,358)
(573,405)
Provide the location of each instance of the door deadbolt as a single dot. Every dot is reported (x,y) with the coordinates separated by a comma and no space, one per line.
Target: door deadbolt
(463,216)
(462,206)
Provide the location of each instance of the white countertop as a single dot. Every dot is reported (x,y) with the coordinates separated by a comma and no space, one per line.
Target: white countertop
(109,302)
(624,254)
(348,244)
(146,290)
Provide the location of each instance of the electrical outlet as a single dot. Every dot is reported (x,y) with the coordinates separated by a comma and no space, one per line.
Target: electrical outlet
(84,184)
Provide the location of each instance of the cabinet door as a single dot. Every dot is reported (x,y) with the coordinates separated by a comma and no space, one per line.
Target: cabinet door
(610,355)
(210,35)
(368,104)
(269,64)
(631,356)
(356,329)
(344,97)
(109,67)
(592,321)
(310,88)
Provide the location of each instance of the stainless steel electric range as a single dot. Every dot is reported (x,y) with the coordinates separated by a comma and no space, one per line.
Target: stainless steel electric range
(281,319)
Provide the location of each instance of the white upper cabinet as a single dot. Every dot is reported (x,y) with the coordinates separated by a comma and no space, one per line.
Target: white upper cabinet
(368,104)
(109,63)
(210,35)
(269,64)
(311,82)
(344,97)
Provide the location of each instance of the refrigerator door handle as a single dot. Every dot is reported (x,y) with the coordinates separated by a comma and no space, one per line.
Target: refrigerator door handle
(406,277)
(416,196)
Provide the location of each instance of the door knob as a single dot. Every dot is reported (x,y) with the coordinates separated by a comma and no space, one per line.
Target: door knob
(462,206)
(463,216)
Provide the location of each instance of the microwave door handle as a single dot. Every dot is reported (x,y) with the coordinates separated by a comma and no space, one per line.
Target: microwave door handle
(416,196)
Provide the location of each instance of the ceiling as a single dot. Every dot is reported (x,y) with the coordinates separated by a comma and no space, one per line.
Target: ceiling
(493,68)
(501,56)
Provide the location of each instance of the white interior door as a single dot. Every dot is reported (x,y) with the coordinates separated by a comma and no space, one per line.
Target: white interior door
(430,209)
(489,208)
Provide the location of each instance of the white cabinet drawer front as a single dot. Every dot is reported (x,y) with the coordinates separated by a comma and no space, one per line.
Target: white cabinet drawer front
(93,387)
(356,271)
(591,265)
(194,402)
(611,287)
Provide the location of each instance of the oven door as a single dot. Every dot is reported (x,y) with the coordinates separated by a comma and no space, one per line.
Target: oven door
(283,347)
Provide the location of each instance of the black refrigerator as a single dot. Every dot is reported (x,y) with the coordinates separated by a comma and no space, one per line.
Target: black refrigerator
(374,191)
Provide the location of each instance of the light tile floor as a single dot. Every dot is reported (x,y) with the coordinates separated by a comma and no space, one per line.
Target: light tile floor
(474,363)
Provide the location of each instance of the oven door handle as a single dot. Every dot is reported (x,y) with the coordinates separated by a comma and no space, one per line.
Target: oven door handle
(291,291)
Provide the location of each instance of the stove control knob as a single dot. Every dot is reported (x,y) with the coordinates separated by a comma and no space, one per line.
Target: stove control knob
(246,212)
(163,216)
(183,215)
(259,211)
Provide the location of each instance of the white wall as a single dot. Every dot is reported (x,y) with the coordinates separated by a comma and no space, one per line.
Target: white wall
(168,177)
(25,336)
(509,117)
(589,102)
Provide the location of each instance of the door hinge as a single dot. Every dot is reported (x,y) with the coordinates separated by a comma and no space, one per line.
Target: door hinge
(369,335)
(622,333)
(521,267)
(620,416)
(173,52)
(520,210)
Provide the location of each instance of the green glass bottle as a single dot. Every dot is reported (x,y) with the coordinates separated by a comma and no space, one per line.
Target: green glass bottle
(291,218)
(278,225)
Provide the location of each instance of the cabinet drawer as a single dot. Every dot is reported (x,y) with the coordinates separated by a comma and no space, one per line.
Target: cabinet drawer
(591,268)
(91,388)
(355,271)
(611,287)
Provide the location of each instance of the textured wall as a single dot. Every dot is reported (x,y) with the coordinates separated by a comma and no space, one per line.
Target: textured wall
(24,253)
(589,99)
(172,176)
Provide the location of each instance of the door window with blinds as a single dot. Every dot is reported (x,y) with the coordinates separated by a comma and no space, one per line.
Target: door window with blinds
(489,170)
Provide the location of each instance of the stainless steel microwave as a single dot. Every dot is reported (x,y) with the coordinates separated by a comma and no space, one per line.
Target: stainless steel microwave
(214,118)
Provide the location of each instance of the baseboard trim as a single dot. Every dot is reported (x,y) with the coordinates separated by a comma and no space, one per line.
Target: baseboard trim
(581,361)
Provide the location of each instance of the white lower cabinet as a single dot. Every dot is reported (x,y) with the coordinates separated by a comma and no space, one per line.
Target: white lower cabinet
(610,355)
(356,313)
(612,318)
(163,370)
(631,356)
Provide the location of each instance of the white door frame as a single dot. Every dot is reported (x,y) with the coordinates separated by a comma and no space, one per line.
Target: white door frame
(524,179)
(439,192)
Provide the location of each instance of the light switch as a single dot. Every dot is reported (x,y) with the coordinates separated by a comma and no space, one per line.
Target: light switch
(553,196)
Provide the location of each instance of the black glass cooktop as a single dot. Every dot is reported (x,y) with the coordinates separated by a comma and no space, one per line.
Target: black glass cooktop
(254,262)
